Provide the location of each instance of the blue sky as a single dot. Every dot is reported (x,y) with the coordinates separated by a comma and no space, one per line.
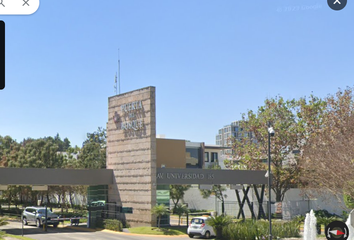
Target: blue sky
(209,60)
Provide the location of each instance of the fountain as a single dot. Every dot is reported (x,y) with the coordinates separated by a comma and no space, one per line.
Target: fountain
(349,223)
(310,232)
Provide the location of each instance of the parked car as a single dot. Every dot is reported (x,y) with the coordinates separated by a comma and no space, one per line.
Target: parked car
(36,215)
(100,203)
(199,227)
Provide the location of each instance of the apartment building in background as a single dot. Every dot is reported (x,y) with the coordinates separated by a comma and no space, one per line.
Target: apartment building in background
(228,133)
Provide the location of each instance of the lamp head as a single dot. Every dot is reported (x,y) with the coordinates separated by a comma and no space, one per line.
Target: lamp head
(271,131)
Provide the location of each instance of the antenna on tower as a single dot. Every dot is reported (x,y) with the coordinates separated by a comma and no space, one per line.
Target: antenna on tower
(118,71)
(115,84)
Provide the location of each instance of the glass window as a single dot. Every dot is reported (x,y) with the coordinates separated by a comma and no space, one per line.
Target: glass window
(127,210)
(194,157)
(31,210)
(206,157)
(214,157)
(197,221)
(42,211)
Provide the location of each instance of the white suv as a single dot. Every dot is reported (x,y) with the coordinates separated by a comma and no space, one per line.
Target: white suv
(198,227)
(37,215)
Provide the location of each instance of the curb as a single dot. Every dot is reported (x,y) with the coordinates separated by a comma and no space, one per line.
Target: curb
(146,235)
(121,233)
(82,228)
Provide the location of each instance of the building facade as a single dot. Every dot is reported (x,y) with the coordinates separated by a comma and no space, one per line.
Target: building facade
(229,132)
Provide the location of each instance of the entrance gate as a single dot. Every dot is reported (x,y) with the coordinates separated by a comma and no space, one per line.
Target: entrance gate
(245,179)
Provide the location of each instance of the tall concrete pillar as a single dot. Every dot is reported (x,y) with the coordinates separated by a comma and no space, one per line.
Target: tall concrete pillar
(131,153)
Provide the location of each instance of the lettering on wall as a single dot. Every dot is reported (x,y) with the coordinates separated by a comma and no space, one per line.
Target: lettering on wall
(186,176)
(131,117)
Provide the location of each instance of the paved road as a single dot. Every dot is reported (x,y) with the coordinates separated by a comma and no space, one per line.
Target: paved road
(78,234)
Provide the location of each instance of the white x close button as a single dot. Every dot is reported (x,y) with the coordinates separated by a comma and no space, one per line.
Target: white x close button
(18,7)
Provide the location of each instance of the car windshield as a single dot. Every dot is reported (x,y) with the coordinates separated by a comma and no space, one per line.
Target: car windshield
(197,221)
(42,211)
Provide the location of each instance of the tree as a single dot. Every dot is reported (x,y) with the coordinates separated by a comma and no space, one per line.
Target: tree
(349,201)
(39,153)
(100,136)
(9,149)
(180,210)
(291,122)
(329,158)
(218,223)
(160,210)
(66,144)
(177,193)
(93,152)
(216,190)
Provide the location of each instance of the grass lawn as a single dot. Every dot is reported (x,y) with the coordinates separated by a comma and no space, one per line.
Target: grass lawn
(17,237)
(161,231)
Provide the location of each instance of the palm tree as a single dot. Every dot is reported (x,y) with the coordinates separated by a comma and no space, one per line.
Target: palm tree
(180,210)
(218,223)
(160,210)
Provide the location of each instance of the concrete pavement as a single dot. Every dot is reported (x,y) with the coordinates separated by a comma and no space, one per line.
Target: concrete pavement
(79,233)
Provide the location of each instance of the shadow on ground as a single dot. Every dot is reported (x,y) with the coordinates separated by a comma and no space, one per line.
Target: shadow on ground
(33,230)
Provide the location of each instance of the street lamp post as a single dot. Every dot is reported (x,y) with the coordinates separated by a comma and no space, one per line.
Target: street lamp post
(270,133)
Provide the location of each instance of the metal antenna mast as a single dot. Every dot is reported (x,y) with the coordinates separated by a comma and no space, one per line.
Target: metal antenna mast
(115,84)
(118,71)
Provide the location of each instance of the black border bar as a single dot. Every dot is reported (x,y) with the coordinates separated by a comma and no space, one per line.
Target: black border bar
(2,55)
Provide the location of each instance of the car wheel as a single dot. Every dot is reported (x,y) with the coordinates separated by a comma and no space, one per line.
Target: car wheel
(191,235)
(207,234)
(24,220)
(38,223)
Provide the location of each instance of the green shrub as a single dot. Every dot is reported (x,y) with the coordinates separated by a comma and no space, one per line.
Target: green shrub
(258,230)
(286,229)
(3,221)
(11,211)
(245,230)
(113,224)
(82,213)
(324,213)
(218,223)
(349,201)
(299,218)
(345,215)
(198,211)
(327,220)
(126,224)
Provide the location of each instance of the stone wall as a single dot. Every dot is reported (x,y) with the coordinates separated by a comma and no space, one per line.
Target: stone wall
(131,153)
